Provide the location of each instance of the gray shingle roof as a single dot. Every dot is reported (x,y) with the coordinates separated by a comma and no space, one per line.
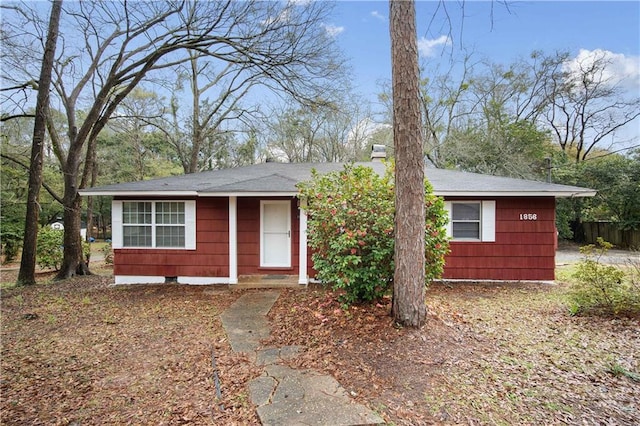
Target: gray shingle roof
(281,179)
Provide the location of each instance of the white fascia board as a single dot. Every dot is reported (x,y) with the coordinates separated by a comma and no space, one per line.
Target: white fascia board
(89,192)
(247,194)
(557,194)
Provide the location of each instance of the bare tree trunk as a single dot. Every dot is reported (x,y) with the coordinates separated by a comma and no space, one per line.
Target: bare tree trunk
(409,306)
(90,217)
(27,273)
(73,262)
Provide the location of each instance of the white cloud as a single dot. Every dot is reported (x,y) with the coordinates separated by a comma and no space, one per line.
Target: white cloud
(427,47)
(378,15)
(619,69)
(282,17)
(332,30)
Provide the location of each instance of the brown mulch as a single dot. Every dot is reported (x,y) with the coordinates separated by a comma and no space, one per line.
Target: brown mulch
(488,354)
(83,352)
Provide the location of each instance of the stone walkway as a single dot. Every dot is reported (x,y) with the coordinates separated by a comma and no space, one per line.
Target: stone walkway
(286,396)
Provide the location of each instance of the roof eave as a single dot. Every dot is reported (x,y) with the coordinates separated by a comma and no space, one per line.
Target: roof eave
(467,194)
(556,194)
(89,192)
(249,194)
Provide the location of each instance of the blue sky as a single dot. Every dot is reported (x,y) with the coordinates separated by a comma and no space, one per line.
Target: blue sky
(362,30)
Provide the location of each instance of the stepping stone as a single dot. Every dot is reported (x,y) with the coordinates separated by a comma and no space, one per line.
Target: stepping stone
(305,397)
(245,320)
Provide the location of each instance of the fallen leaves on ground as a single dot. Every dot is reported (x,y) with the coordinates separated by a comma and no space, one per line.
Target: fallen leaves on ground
(83,352)
(495,354)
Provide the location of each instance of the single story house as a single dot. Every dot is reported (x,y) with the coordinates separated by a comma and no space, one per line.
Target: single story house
(214,226)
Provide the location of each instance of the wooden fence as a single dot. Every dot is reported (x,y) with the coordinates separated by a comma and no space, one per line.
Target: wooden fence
(609,232)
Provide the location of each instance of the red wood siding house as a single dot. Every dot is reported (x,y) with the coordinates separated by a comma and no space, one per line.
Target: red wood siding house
(523,249)
(212,227)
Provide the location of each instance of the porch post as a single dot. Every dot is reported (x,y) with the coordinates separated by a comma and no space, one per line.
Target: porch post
(233,240)
(302,251)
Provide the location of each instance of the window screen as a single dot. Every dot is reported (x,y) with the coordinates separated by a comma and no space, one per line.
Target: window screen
(465,220)
(142,220)
(170,224)
(137,224)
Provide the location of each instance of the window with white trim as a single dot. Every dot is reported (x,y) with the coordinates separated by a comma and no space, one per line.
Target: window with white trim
(465,221)
(170,225)
(136,225)
(471,220)
(153,224)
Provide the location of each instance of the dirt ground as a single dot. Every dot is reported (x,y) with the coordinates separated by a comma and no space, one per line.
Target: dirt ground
(488,355)
(80,352)
(83,352)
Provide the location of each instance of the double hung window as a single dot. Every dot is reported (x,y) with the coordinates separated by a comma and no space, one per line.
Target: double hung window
(465,221)
(471,220)
(153,224)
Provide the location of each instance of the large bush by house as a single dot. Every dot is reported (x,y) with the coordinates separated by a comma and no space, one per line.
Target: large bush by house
(351,230)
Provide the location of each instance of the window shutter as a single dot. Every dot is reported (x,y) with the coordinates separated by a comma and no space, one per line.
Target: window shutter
(488,221)
(190,225)
(116,224)
(447,207)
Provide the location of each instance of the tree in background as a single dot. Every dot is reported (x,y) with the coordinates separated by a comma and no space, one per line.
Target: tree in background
(586,105)
(132,148)
(215,89)
(331,130)
(409,307)
(499,147)
(616,177)
(26,274)
(478,113)
(17,137)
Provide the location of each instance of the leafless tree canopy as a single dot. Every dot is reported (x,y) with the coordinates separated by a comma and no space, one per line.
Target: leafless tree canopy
(106,49)
(586,105)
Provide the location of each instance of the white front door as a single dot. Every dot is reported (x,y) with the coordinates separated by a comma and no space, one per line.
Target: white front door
(275,233)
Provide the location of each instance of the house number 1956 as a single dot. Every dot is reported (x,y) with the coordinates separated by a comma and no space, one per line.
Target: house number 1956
(528,216)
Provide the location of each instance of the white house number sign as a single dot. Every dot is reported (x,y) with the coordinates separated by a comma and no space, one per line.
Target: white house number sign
(528,216)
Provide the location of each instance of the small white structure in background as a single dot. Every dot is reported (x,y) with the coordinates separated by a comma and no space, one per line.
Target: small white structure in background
(60,226)
(378,153)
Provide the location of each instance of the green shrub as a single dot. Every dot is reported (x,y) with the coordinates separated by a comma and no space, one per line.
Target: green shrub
(49,252)
(10,242)
(351,231)
(107,251)
(600,288)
